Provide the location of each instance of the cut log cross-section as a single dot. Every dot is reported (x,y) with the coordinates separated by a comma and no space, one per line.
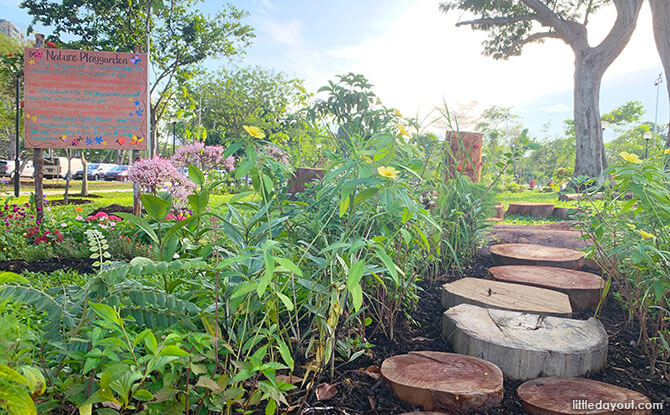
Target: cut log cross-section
(526,346)
(538,210)
(556,396)
(444,381)
(583,288)
(529,254)
(505,296)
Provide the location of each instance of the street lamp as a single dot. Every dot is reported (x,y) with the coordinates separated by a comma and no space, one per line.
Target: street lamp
(647,136)
(174,133)
(657,84)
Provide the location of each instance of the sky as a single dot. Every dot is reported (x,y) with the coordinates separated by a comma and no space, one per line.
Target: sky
(417,58)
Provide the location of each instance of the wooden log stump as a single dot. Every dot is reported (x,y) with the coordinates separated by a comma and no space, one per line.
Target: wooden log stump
(500,210)
(555,396)
(583,288)
(505,296)
(303,176)
(530,254)
(519,208)
(536,234)
(444,381)
(527,346)
(542,210)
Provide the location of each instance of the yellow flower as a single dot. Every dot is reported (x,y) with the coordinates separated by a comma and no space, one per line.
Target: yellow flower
(388,172)
(402,130)
(366,159)
(254,131)
(646,235)
(397,113)
(667,151)
(633,158)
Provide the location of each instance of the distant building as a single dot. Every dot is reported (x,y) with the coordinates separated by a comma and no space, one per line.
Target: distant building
(8,29)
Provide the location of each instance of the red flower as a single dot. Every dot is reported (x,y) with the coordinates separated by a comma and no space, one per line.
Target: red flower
(11,54)
(459,168)
(51,45)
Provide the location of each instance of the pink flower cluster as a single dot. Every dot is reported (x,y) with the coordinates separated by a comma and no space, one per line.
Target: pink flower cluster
(205,157)
(278,155)
(102,216)
(158,174)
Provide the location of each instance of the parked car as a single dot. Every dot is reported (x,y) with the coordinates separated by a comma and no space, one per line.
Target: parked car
(119,173)
(99,172)
(79,174)
(6,168)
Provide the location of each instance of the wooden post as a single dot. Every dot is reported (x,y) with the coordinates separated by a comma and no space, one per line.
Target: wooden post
(135,155)
(38,156)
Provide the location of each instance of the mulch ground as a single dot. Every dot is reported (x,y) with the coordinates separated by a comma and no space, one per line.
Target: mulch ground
(83,265)
(358,393)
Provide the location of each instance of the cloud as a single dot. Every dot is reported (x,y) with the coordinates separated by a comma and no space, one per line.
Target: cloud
(556,108)
(284,33)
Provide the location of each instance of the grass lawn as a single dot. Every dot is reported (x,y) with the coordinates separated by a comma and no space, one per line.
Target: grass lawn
(533,196)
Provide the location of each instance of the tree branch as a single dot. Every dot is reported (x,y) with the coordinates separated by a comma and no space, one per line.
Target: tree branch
(498,20)
(532,38)
(572,33)
(622,30)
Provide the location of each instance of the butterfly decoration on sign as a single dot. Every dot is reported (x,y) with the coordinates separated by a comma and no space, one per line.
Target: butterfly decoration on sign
(63,138)
(135,60)
(135,140)
(121,141)
(75,142)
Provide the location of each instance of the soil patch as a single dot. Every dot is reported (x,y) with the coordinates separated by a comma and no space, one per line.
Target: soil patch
(113,208)
(82,265)
(71,201)
(360,394)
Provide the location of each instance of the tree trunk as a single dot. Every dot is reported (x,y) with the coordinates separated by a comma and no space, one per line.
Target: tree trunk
(660,11)
(68,175)
(84,177)
(590,158)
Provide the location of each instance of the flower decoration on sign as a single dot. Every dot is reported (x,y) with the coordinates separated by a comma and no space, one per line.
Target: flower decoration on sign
(135,60)
(98,140)
(89,141)
(36,54)
(32,118)
(31,62)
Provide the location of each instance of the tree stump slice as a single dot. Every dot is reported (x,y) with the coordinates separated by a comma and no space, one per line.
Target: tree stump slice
(542,210)
(505,296)
(558,396)
(500,210)
(444,381)
(526,346)
(582,288)
(530,254)
(519,208)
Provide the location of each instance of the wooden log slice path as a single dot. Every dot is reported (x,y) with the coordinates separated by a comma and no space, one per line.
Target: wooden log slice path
(505,296)
(527,346)
(444,381)
(557,396)
(530,254)
(583,288)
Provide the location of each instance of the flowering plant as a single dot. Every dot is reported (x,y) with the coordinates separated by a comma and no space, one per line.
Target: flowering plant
(203,156)
(160,175)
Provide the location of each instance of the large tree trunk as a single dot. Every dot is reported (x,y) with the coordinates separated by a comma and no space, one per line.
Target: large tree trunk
(590,159)
(660,11)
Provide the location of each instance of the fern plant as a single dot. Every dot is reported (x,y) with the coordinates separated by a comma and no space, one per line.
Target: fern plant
(99,248)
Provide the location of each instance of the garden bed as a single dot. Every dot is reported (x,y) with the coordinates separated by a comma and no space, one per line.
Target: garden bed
(359,393)
(82,265)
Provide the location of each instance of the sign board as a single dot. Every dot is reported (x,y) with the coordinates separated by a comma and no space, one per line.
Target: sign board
(465,154)
(84,99)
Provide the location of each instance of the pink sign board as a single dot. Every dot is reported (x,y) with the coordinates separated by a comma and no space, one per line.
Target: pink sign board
(85,99)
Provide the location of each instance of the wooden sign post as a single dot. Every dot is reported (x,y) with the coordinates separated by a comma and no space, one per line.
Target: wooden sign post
(83,100)
(464,155)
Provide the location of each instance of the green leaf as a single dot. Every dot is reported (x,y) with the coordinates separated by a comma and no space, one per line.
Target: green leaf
(353,284)
(199,201)
(287,301)
(172,350)
(143,395)
(156,207)
(268,273)
(11,375)
(365,194)
(232,149)
(11,277)
(288,264)
(150,342)
(285,353)
(389,264)
(344,205)
(17,400)
(141,223)
(196,175)
(106,313)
